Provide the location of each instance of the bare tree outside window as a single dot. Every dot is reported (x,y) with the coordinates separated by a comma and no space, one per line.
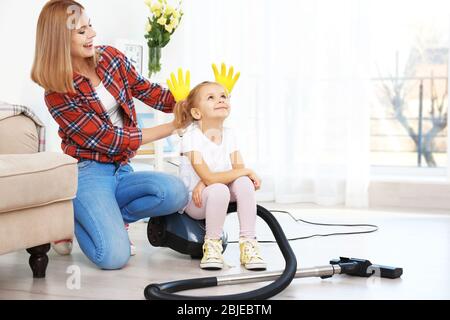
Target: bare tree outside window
(415,101)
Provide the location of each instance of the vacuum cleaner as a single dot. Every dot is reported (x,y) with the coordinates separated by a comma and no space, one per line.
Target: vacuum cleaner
(186,235)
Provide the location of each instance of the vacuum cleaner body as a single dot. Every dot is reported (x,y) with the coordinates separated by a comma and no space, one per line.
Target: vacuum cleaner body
(180,233)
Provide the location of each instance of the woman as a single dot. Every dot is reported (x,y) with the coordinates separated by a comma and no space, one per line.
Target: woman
(89,92)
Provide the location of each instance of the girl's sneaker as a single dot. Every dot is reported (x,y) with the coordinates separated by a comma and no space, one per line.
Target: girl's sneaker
(63,247)
(250,257)
(212,255)
(132,246)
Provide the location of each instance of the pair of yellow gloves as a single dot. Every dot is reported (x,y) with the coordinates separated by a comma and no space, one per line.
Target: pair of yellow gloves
(180,88)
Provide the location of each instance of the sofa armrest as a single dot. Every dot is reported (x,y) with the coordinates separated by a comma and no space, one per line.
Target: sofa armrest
(37,179)
(19,135)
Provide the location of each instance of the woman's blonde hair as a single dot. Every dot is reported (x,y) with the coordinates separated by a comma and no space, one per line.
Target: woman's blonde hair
(52,66)
(182,109)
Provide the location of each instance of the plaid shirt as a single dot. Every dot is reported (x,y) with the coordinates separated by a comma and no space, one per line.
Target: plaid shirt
(84,126)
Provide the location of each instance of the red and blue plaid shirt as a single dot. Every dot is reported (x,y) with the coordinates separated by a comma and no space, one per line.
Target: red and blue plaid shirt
(84,126)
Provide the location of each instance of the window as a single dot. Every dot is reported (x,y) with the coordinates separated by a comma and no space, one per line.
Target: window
(409,109)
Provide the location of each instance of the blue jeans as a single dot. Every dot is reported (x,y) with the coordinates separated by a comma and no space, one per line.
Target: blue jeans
(110,195)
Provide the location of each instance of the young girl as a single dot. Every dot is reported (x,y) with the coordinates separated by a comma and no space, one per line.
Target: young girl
(214,173)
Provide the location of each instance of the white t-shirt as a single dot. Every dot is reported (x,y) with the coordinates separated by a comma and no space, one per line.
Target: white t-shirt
(114,110)
(217,157)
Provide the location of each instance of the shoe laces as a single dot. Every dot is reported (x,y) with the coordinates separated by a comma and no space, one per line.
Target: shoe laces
(250,250)
(212,248)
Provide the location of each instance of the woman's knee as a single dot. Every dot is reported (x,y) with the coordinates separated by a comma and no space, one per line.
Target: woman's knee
(169,192)
(113,257)
(176,194)
(110,251)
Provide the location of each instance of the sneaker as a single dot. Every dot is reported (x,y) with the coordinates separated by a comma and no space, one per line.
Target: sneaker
(132,246)
(250,257)
(212,255)
(63,247)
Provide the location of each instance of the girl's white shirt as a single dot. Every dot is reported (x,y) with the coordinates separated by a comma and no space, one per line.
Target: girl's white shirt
(216,156)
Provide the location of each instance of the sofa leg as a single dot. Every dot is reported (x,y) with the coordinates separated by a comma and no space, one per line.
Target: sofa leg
(39,260)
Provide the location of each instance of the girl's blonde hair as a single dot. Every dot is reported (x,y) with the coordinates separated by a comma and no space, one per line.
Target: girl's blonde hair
(52,66)
(182,109)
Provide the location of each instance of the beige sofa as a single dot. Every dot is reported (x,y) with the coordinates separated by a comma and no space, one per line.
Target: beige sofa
(36,192)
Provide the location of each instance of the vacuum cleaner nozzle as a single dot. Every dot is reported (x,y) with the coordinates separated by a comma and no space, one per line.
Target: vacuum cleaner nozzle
(364,268)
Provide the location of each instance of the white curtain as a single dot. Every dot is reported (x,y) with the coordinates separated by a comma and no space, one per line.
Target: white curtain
(301,106)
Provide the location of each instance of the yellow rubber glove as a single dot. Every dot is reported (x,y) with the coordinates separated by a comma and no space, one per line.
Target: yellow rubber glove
(226,80)
(180,88)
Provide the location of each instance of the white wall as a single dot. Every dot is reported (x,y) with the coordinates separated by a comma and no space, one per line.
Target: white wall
(112,20)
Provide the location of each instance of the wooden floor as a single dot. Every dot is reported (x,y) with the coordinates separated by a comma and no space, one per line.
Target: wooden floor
(418,241)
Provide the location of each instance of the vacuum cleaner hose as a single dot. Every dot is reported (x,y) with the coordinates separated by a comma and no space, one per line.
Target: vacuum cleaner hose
(165,291)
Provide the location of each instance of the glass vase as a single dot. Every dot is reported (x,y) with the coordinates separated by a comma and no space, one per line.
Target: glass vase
(154,61)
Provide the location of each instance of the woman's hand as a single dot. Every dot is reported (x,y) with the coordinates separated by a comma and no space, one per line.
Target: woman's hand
(197,194)
(255,179)
(179,131)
